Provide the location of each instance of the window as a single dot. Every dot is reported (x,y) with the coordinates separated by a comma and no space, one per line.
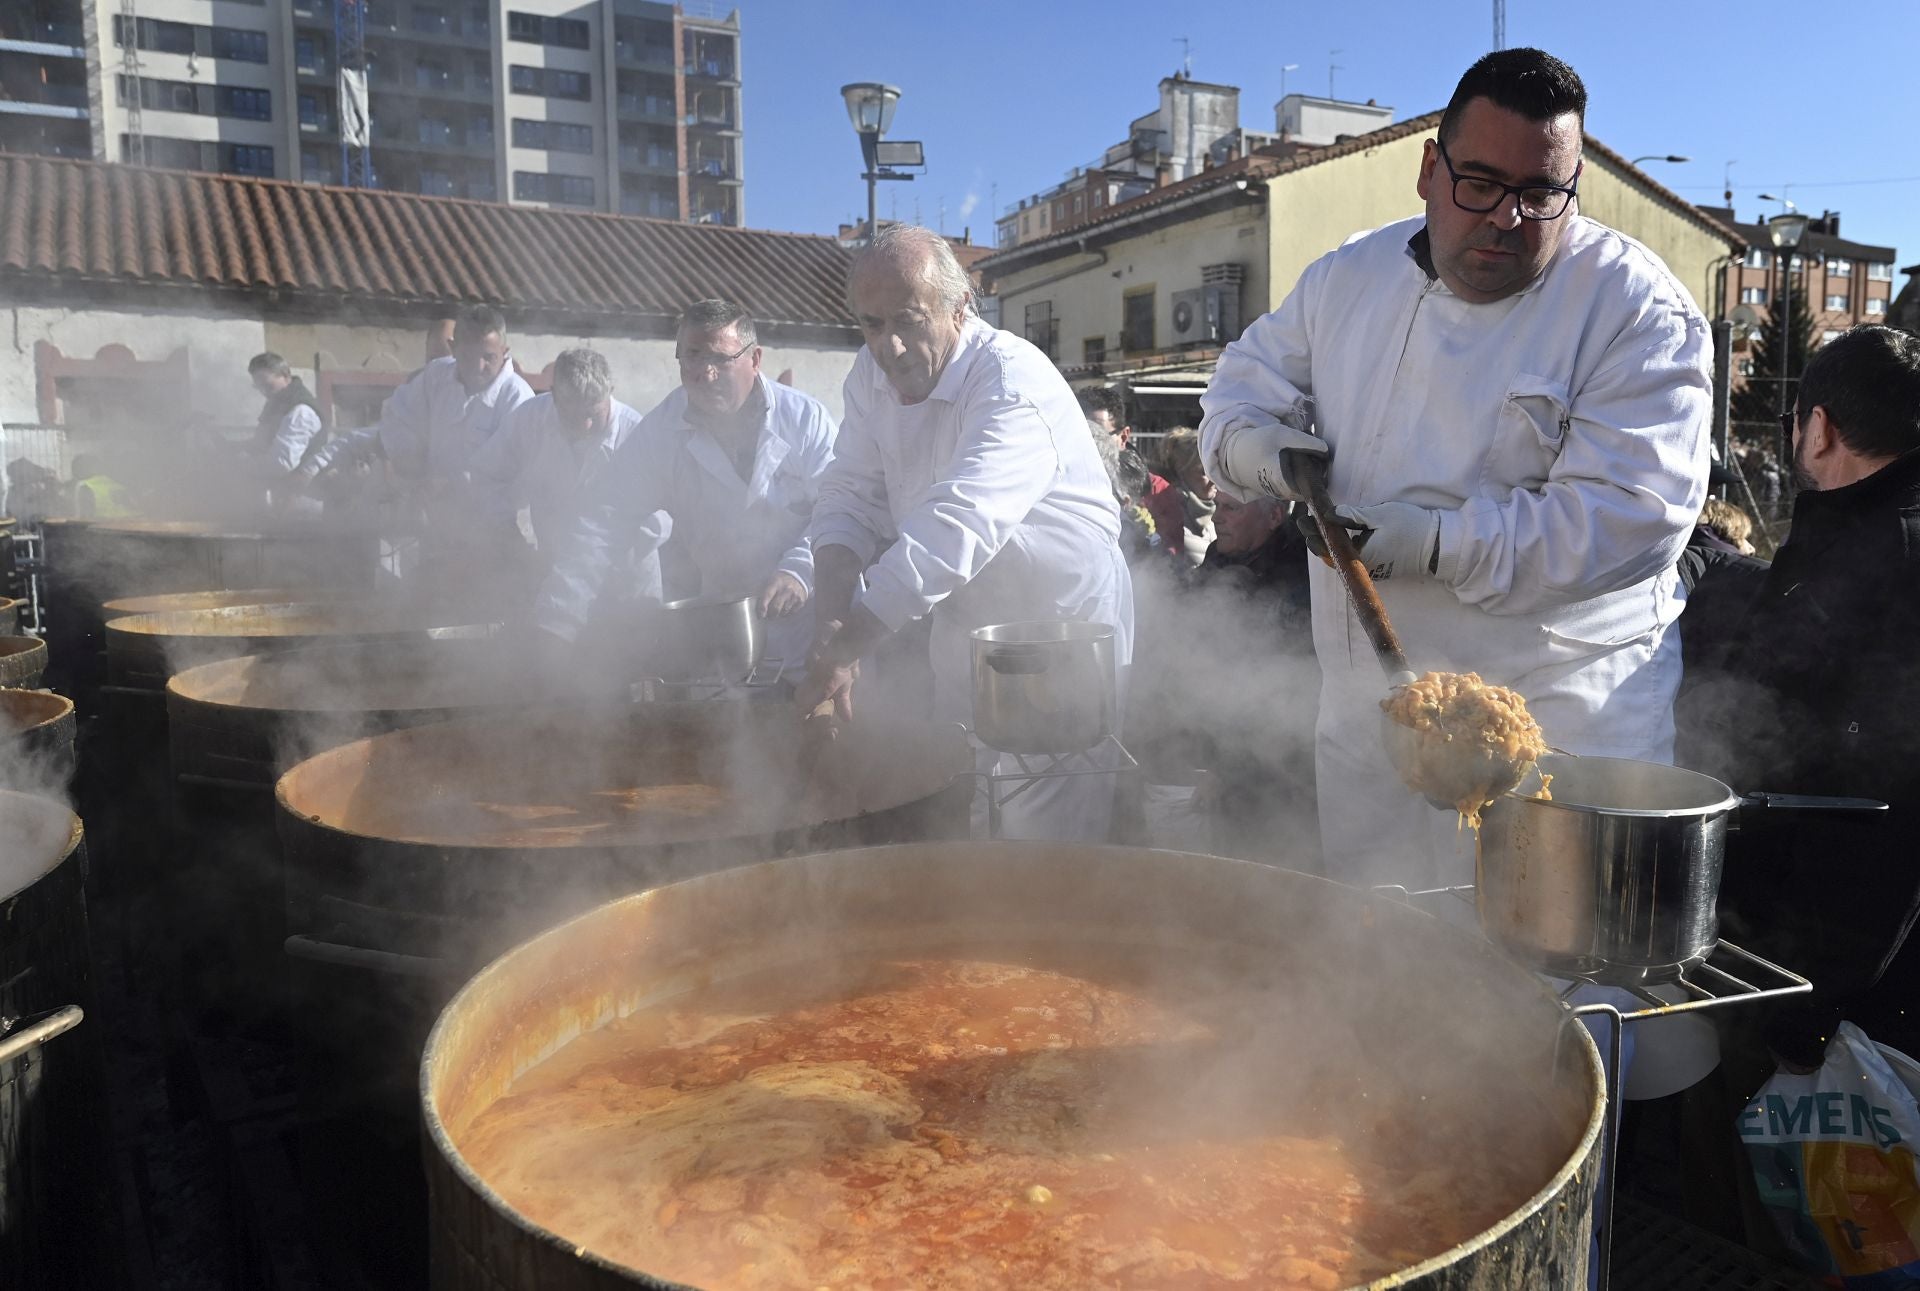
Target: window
(240,44)
(176,96)
(1042,328)
(306,55)
(1758,259)
(1879,272)
(1836,302)
(527,27)
(553,136)
(568,85)
(314,166)
(1136,326)
(576,190)
(436,131)
(154,35)
(529,186)
(245,103)
(436,183)
(313,113)
(432,76)
(480,132)
(480,75)
(1875,307)
(250,159)
(1753,295)
(1839,268)
(569,33)
(1093,350)
(1078,199)
(433,21)
(479,18)
(481,188)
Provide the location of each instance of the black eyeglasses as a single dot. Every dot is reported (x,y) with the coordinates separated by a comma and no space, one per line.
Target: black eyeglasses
(1479,194)
(710,360)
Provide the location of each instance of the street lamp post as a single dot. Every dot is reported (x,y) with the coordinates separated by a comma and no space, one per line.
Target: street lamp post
(870,107)
(1656,157)
(1785,231)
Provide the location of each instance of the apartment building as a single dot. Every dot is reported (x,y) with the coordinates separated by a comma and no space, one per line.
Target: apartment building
(44,107)
(631,106)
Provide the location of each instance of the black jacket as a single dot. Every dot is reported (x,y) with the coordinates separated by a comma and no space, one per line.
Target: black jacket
(1817,691)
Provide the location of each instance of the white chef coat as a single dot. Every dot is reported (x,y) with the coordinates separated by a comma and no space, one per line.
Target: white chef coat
(739,532)
(532,463)
(1561,433)
(291,437)
(985,503)
(431,427)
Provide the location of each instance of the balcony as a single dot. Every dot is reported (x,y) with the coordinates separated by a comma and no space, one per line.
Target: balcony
(713,171)
(718,123)
(645,107)
(651,161)
(55,100)
(653,57)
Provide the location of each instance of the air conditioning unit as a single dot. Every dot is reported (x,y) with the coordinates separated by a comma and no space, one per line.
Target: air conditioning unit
(1208,315)
(1190,316)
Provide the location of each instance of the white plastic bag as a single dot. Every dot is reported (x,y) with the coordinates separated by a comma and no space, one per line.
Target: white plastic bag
(1832,1153)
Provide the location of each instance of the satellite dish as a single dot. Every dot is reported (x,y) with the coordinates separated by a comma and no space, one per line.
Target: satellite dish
(1746,320)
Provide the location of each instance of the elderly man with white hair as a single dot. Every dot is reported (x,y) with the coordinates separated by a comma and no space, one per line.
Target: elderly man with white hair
(551,456)
(964,487)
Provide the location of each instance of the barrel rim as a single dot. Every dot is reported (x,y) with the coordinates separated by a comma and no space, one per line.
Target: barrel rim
(14,800)
(1724,799)
(451,1159)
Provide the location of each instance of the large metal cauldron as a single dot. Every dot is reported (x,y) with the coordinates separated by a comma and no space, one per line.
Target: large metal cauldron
(242,722)
(144,650)
(89,562)
(36,739)
(1494,1028)
(450,842)
(56,1216)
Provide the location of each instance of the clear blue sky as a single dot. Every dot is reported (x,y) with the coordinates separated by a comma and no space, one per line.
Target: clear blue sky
(1013,94)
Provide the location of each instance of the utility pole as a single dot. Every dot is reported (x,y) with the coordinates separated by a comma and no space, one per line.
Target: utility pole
(1499,24)
(1332,67)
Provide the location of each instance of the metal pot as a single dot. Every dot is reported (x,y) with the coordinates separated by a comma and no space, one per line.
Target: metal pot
(1043,687)
(57,1227)
(710,640)
(1349,960)
(1616,876)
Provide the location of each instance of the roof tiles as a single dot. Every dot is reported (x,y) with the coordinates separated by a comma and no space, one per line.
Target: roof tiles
(78,222)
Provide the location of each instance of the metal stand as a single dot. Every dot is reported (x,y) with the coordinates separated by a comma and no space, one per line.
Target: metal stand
(1709,985)
(1056,766)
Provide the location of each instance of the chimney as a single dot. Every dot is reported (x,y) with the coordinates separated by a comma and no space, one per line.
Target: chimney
(1162,175)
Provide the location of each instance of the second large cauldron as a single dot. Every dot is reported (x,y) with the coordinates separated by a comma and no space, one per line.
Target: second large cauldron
(1414,1045)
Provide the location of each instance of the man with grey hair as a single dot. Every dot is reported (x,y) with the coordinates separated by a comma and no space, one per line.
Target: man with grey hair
(737,460)
(535,475)
(965,488)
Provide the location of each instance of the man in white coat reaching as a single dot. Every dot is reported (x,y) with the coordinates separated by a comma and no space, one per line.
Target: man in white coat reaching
(546,463)
(1511,402)
(965,487)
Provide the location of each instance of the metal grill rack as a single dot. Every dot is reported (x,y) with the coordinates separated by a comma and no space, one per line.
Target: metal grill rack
(1038,767)
(1711,984)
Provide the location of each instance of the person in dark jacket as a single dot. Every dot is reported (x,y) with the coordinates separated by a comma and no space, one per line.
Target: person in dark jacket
(1818,692)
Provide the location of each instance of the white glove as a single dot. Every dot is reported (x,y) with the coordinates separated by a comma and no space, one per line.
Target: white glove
(1394,538)
(1264,457)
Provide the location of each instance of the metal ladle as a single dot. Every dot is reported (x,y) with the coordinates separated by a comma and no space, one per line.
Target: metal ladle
(1407,748)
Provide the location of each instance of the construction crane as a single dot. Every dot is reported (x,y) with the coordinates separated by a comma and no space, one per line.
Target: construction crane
(130,79)
(355,115)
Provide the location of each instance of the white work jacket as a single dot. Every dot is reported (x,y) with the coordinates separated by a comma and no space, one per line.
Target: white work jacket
(290,439)
(1562,435)
(430,428)
(739,532)
(985,503)
(531,463)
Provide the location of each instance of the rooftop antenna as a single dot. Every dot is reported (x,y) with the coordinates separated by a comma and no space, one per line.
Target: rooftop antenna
(1186,56)
(1499,24)
(1729,183)
(1332,67)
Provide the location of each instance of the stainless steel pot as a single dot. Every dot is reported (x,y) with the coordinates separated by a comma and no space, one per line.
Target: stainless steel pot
(710,640)
(1043,687)
(1617,875)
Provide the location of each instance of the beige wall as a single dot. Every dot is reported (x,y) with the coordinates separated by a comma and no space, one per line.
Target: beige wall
(1695,255)
(1316,209)
(1089,303)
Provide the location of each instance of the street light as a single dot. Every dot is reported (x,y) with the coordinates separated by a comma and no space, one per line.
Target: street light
(1785,230)
(1655,157)
(870,107)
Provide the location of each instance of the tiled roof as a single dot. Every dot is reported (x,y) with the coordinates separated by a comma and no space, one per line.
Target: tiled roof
(88,222)
(1267,165)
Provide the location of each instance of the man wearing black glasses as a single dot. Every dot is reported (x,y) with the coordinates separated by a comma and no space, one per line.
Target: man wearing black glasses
(1511,402)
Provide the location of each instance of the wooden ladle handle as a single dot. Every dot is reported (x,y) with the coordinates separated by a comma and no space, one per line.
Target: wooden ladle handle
(1353,573)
